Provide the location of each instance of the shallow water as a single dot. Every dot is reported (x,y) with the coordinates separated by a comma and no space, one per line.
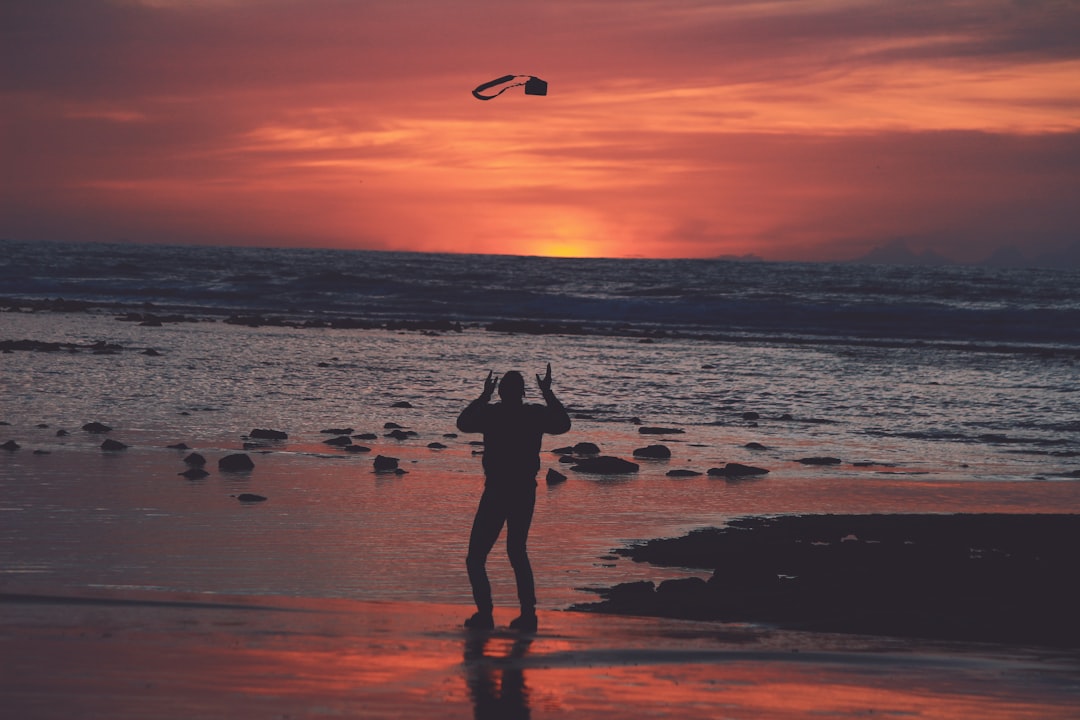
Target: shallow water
(945,430)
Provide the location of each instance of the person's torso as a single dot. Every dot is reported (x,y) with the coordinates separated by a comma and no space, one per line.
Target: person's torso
(512,437)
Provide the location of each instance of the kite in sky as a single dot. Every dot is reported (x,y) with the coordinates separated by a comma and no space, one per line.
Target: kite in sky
(533,86)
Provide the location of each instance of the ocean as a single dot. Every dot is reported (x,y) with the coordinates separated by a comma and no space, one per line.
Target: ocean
(940,389)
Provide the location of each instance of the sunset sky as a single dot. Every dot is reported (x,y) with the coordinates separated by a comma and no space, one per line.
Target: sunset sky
(789,129)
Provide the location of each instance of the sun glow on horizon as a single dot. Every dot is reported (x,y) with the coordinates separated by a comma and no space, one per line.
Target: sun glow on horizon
(563,249)
(566,233)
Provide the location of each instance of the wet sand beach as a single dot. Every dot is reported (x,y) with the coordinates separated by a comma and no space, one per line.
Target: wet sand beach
(156,655)
(124,596)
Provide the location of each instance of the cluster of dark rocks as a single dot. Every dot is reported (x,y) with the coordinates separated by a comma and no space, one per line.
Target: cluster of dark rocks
(109,445)
(151,316)
(983,577)
(155,320)
(231,463)
(343,437)
(347,323)
(543,327)
(99,347)
(60,305)
(585,457)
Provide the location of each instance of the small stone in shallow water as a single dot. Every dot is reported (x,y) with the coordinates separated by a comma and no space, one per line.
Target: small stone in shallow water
(113,445)
(554,477)
(250,498)
(654,452)
(337,431)
(405,404)
(436,446)
(238,462)
(264,434)
(682,473)
(755,446)
(356,449)
(605,465)
(339,441)
(401,434)
(10,446)
(646,430)
(96,427)
(178,446)
(195,460)
(385,464)
(195,473)
(819,461)
(737,470)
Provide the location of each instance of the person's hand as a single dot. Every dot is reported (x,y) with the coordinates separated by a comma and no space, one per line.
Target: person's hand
(489,385)
(544,382)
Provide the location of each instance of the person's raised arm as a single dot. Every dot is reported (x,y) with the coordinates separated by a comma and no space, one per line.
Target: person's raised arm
(471,418)
(557,420)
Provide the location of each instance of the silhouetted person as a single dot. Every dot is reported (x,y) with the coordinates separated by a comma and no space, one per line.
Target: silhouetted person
(512,434)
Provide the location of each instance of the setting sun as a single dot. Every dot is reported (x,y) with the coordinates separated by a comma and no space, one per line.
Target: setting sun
(562,249)
(568,234)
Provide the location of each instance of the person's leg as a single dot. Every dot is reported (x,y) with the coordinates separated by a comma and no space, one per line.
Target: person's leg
(487,524)
(518,521)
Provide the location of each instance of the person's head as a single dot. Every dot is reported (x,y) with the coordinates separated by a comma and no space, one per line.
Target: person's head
(512,387)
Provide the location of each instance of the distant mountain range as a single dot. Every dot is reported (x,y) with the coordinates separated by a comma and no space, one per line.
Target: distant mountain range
(897,252)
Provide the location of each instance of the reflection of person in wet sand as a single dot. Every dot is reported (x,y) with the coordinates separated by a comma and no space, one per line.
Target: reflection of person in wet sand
(512,434)
(497,684)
